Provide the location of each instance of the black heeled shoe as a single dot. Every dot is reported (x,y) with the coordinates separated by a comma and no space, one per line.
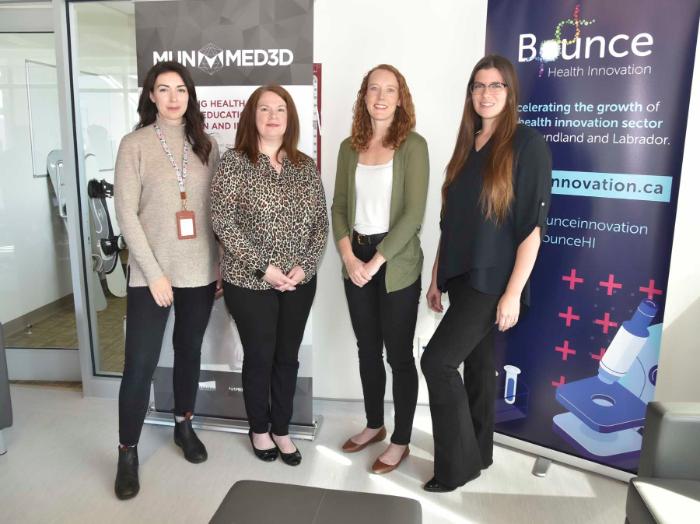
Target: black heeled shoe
(434,486)
(126,486)
(266,455)
(291,459)
(186,438)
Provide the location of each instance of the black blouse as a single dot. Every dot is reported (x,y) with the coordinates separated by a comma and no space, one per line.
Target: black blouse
(476,247)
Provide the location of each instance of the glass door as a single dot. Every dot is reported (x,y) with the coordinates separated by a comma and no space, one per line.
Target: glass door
(37,307)
(67,95)
(105,97)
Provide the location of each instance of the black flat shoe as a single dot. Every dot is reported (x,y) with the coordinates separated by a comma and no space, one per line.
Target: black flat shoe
(266,455)
(126,486)
(186,438)
(291,459)
(436,487)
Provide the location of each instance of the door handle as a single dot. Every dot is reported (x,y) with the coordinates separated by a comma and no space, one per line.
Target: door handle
(61,202)
(54,164)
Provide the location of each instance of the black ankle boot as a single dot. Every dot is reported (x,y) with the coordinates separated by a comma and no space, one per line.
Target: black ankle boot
(126,485)
(186,438)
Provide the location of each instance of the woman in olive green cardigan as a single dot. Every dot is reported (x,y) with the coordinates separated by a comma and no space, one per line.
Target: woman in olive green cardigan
(380,191)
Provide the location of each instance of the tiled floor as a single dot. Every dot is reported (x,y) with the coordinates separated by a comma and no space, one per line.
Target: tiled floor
(58,331)
(62,451)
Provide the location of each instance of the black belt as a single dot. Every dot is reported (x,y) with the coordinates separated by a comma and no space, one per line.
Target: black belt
(367,240)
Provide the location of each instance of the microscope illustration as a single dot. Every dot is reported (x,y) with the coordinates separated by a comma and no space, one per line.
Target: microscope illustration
(606,412)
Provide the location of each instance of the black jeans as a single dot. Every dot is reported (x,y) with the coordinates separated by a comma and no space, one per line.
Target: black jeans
(462,411)
(145,325)
(271,325)
(385,319)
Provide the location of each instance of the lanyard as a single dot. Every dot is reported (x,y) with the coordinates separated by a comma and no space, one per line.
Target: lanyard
(180,172)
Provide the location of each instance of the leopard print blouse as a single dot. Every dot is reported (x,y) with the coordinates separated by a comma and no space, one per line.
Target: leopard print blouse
(263,217)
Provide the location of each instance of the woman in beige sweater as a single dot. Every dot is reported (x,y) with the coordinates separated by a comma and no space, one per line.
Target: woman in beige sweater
(162,177)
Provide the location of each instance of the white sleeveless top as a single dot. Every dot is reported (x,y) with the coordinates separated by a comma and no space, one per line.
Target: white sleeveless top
(373,197)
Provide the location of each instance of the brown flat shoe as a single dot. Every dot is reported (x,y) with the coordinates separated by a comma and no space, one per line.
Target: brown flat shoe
(380,467)
(351,446)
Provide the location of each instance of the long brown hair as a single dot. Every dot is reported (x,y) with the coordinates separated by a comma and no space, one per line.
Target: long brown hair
(497,191)
(194,120)
(404,117)
(247,132)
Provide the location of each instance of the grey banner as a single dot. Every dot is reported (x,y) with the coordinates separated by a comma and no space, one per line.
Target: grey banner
(229,42)
(220,395)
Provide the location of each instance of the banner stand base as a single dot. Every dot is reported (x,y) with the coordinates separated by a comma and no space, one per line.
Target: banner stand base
(541,467)
(229,425)
(561,458)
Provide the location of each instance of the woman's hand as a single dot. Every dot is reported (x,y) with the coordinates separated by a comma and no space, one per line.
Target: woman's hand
(219,282)
(356,270)
(434,297)
(296,274)
(278,280)
(162,291)
(508,311)
(375,264)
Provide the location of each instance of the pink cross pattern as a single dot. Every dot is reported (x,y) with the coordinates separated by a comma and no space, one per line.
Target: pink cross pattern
(569,316)
(610,284)
(599,355)
(651,290)
(565,350)
(572,279)
(562,380)
(605,322)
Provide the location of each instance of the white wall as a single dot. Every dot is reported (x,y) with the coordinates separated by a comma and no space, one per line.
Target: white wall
(435,45)
(679,364)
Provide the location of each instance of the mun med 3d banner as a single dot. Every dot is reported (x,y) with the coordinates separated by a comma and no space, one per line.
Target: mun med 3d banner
(608,85)
(231,47)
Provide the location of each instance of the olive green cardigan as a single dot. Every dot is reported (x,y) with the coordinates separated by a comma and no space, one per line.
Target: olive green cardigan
(409,190)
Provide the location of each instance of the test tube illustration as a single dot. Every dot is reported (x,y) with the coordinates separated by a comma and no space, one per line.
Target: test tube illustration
(512,373)
(627,344)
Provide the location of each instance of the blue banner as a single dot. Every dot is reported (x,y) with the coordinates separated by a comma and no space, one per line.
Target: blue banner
(608,85)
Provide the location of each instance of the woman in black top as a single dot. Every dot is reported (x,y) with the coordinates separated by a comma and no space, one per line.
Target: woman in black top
(495,202)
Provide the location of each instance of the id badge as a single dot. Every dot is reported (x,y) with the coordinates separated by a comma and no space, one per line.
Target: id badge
(185,225)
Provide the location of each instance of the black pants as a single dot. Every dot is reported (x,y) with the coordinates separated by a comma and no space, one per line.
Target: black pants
(145,325)
(462,411)
(385,319)
(271,325)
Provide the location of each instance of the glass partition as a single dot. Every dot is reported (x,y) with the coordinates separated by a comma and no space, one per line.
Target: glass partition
(107,97)
(37,308)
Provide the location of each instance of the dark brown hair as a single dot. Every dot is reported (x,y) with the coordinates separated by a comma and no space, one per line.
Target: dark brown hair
(194,121)
(404,117)
(247,132)
(497,192)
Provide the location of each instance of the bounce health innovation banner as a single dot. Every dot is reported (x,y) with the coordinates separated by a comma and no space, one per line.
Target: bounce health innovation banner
(231,47)
(608,85)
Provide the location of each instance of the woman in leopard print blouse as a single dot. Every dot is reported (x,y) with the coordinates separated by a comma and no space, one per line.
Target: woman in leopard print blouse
(269,212)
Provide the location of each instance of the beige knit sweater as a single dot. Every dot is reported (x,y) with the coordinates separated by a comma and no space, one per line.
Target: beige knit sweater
(147,196)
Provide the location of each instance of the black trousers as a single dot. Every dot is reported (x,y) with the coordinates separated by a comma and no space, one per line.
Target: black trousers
(462,411)
(145,325)
(385,319)
(271,325)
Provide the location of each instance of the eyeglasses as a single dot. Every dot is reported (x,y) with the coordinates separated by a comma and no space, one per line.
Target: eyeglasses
(493,87)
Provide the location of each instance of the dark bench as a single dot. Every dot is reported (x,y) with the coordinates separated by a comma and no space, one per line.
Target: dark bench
(250,501)
(668,486)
